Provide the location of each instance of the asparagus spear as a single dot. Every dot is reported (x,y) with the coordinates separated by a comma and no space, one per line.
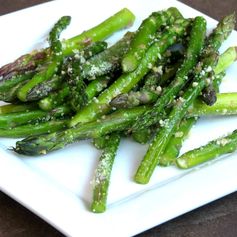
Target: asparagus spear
(33,116)
(12,108)
(54,34)
(226,59)
(54,99)
(225,105)
(100,142)
(214,43)
(99,32)
(114,23)
(57,98)
(159,76)
(135,98)
(54,62)
(16,74)
(44,88)
(127,81)
(107,61)
(145,36)
(174,145)
(118,21)
(117,121)
(29,62)
(143,136)
(77,96)
(120,120)
(195,45)
(23,64)
(212,150)
(98,85)
(46,72)
(158,145)
(10,84)
(149,93)
(103,172)
(209,93)
(84,54)
(13,79)
(33,129)
(10,95)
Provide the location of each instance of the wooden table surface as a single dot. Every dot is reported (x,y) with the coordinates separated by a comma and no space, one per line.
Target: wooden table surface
(218,219)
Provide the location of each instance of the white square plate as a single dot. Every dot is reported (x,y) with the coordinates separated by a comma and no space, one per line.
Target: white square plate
(57,186)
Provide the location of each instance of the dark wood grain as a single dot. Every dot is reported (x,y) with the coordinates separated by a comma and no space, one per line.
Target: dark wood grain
(217,219)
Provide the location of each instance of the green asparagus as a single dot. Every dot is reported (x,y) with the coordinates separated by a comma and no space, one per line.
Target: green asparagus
(97,33)
(195,45)
(12,108)
(107,61)
(61,24)
(120,120)
(46,87)
(225,105)
(10,95)
(147,96)
(29,62)
(43,89)
(174,145)
(226,59)
(209,93)
(78,94)
(159,143)
(151,90)
(143,136)
(33,129)
(54,60)
(103,171)
(100,142)
(212,150)
(145,36)
(10,120)
(14,79)
(45,73)
(55,99)
(59,97)
(209,60)
(127,81)
(117,121)
(118,21)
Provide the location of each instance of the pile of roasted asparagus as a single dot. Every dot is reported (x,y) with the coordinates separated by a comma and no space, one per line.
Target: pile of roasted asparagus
(152,85)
